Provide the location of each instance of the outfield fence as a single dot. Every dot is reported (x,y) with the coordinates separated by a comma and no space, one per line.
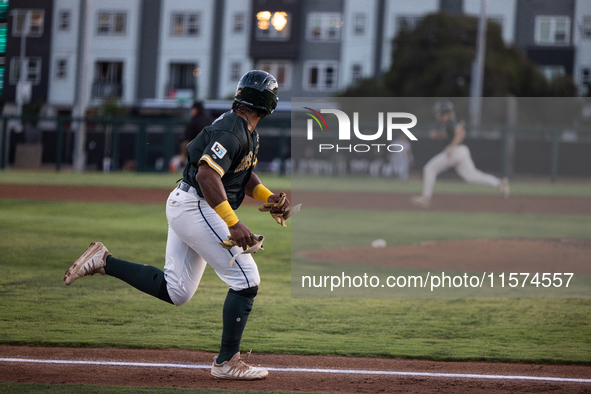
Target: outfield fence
(149,144)
(112,143)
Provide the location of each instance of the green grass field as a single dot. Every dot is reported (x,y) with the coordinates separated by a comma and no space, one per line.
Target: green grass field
(39,240)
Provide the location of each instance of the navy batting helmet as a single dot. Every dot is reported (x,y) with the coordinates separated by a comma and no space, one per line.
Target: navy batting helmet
(258,89)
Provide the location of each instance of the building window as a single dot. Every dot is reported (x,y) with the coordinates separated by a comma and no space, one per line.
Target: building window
(182,76)
(112,23)
(63,21)
(552,30)
(324,26)
(321,76)
(185,25)
(235,71)
(238,23)
(273,26)
(281,70)
(359,25)
(29,21)
(406,22)
(587,27)
(586,76)
(356,72)
(551,72)
(61,69)
(108,80)
(33,70)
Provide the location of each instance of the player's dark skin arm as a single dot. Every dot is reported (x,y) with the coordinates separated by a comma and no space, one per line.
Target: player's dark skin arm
(213,192)
(254,180)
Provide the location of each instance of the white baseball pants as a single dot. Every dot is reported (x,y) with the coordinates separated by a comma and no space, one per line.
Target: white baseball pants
(194,230)
(461,161)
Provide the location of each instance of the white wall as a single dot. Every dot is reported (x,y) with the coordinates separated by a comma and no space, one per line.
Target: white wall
(234,46)
(186,49)
(113,48)
(582,45)
(357,49)
(505,9)
(396,8)
(64,45)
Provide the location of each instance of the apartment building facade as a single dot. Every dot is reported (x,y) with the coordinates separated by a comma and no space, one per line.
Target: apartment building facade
(582,43)
(179,50)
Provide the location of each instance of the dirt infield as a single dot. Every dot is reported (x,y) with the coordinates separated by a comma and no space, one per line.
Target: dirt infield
(502,255)
(416,376)
(378,201)
(296,373)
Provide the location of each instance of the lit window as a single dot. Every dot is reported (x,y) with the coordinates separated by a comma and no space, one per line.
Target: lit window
(185,25)
(324,26)
(29,21)
(321,75)
(552,30)
(112,23)
(273,26)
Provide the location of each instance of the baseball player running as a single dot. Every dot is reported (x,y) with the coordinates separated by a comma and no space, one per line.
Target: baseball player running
(200,214)
(455,154)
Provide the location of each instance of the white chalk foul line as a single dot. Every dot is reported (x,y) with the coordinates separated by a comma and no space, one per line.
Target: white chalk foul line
(308,370)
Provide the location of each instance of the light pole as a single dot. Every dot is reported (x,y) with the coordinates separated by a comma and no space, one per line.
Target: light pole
(23,63)
(79,156)
(478,69)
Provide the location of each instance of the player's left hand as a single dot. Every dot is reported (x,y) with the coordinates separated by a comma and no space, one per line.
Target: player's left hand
(278,206)
(277,198)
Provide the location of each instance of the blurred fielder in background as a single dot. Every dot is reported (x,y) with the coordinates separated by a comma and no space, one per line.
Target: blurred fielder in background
(455,154)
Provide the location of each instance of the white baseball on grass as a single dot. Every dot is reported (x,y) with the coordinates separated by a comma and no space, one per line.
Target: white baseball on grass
(378,243)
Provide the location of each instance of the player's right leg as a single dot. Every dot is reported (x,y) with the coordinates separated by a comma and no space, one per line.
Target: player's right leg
(434,167)
(98,260)
(182,272)
(467,170)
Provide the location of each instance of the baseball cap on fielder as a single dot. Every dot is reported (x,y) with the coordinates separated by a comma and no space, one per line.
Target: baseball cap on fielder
(258,89)
(443,106)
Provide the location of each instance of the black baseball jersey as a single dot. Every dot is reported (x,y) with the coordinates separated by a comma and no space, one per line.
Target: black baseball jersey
(228,148)
(448,130)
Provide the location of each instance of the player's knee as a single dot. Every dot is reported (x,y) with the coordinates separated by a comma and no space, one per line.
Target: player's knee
(180,300)
(251,292)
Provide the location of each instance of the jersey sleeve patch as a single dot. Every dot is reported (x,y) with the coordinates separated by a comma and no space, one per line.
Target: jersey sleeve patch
(218,150)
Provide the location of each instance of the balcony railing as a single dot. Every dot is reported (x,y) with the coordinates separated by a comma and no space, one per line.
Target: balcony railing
(106,89)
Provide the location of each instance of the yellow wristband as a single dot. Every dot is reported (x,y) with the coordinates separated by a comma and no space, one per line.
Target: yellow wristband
(227,213)
(261,193)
